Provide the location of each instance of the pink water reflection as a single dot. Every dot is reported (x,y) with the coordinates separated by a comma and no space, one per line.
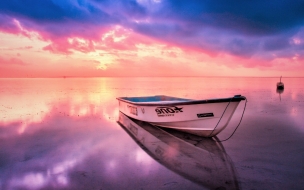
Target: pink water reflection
(58,133)
(62,133)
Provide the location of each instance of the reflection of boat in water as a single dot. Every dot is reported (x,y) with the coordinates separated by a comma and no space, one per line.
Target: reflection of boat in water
(201,160)
(280,91)
(205,118)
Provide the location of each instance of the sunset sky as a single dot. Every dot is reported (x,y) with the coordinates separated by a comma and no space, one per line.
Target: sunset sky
(103,38)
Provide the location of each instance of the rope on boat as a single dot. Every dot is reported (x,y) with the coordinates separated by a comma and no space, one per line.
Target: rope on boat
(236,126)
(221,116)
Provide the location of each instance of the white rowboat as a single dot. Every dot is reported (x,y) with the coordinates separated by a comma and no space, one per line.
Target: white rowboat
(200,117)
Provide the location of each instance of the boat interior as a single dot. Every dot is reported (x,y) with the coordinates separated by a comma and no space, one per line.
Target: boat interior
(154,98)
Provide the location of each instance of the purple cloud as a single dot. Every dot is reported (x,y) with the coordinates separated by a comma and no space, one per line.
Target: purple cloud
(241,28)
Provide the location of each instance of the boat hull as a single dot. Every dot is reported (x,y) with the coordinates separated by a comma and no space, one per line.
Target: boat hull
(204,118)
(280,86)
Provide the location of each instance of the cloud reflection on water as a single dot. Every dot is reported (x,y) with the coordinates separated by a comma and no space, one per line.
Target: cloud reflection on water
(62,133)
(46,132)
(46,151)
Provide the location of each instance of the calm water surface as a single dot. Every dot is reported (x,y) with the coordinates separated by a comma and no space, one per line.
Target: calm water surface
(63,134)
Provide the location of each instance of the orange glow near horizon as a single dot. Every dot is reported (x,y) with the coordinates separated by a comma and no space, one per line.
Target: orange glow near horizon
(121,52)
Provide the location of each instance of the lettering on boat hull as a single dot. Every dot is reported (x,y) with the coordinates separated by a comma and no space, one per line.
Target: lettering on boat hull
(165,111)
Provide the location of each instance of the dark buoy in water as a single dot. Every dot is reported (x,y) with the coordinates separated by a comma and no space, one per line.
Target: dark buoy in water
(280,85)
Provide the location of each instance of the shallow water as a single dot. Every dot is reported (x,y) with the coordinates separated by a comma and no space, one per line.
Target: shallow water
(63,134)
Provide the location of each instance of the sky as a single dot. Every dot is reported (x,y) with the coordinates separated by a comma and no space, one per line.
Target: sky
(151,38)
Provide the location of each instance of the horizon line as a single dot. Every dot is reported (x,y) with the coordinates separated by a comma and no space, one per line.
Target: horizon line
(153,77)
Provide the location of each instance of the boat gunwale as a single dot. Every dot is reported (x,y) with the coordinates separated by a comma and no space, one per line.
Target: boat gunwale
(236,98)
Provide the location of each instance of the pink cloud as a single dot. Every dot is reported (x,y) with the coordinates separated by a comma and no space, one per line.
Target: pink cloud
(81,37)
(13,26)
(12,61)
(7,25)
(65,46)
(110,39)
(124,45)
(13,67)
(19,48)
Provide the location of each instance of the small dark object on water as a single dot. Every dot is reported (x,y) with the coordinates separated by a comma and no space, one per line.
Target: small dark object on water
(280,85)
